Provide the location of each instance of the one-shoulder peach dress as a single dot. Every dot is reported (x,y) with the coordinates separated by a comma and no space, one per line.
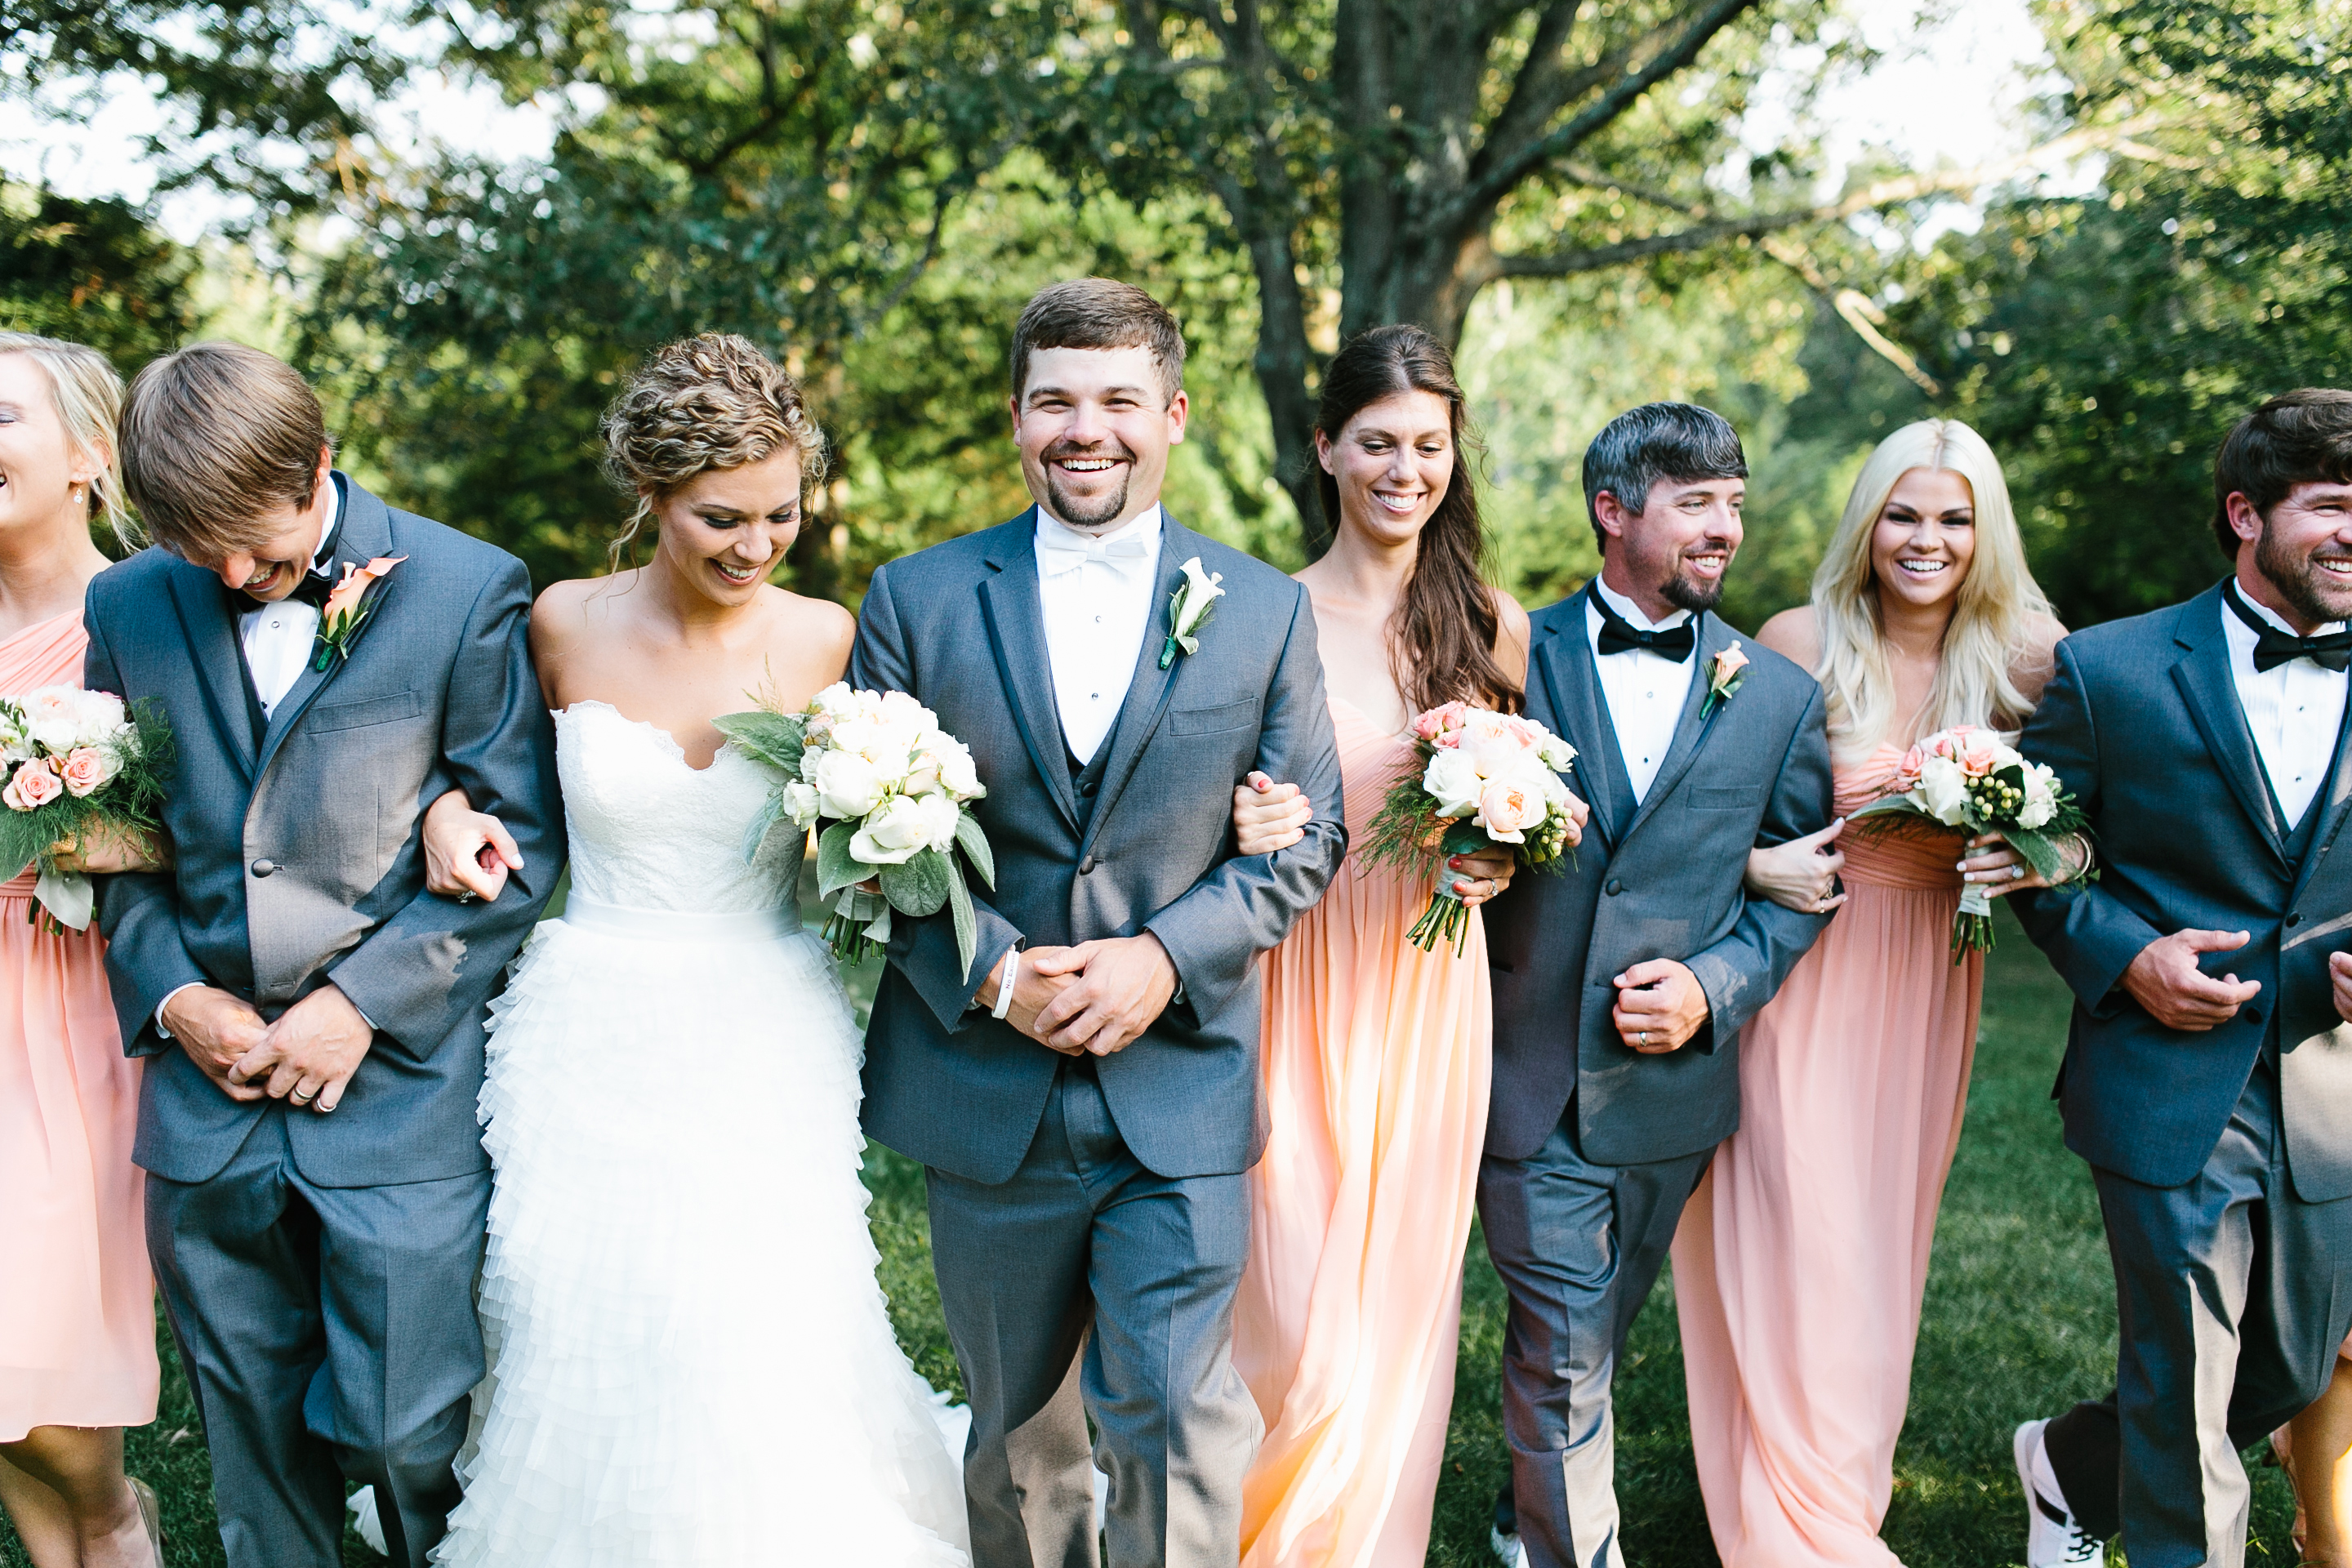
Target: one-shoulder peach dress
(76,1314)
(1377,1059)
(1802,1258)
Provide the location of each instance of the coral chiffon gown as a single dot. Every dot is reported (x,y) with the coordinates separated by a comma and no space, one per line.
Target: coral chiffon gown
(1377,1059)
(1802,1258)
(78,1309)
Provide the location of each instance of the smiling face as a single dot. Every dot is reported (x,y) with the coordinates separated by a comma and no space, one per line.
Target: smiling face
(287,536)
(1672,553)
(2299,560)
(1094,429)
(725,530)
(1925,539)
(44,481)
(1393,462)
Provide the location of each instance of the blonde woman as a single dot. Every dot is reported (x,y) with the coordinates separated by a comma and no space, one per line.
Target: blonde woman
(1801,1260)
(77,1314)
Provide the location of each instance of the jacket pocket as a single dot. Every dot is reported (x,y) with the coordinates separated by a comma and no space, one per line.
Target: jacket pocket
(1725,798)
(385,710)
(1214,720)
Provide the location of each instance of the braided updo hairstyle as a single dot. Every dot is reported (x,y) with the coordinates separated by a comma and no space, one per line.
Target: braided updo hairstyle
(712,400)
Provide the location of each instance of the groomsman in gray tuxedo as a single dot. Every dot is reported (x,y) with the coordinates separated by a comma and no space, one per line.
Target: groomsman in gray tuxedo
(2208,1078)
(1622,986)
(1086,1095)
(311,1016)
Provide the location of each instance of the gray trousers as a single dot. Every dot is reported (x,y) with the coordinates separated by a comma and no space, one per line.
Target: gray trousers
(2232,1296)
(329,1332)
(1578,1245)
(1084,1247)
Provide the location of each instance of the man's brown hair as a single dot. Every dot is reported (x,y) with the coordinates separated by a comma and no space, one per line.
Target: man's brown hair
(214,436)
(2298,437)
(1098,313)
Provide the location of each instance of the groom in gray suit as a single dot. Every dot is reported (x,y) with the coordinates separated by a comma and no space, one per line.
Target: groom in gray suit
(1085,1097)
(312,1016)
(1620,985)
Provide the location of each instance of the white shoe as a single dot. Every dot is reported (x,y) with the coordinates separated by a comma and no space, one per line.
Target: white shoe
(2053,1539)
(1508,1548)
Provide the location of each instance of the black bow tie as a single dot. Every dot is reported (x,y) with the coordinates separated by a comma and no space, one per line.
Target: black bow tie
(311,588)
(2274,647)
(1619,635)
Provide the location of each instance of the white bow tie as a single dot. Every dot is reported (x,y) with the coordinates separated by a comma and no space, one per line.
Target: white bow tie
(1064,550)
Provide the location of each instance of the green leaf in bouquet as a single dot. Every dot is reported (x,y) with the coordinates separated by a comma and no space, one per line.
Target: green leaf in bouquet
(2040,850)
(774,739)
(1889,806)
(967,923)
(756,834)
(836,867)
(1464,837)
(918,887)
(975,847)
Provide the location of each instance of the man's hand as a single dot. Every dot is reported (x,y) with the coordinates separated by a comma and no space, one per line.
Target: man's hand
(1123,983)
(215,1030)
(2165,980)
(308,1056)
(1031,992)
(2339,969)
(1660,1006)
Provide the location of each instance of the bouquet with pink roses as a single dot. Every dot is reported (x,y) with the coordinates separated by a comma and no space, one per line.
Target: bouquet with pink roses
(1483,778)
(1965,778)
(77,765)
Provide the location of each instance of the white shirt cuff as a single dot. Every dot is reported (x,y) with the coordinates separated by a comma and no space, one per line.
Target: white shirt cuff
(166,1002)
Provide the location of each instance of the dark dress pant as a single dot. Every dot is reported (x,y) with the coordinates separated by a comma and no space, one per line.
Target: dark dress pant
(2233,1296)
(1579,1246)
(329,1333)
(1085,1248)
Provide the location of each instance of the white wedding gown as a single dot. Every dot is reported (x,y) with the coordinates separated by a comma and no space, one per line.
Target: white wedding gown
(690,1361)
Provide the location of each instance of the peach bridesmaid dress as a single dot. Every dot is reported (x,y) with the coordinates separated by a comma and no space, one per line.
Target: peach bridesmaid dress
(1377,1059)
(78,1316)
(1803,1257)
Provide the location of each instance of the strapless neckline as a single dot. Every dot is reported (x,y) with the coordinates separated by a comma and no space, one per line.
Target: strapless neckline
(676,749)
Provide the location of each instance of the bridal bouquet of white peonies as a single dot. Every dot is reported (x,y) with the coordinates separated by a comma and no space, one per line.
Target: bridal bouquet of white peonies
(1485,778)
(79,764)
(1965,777)
(889,785)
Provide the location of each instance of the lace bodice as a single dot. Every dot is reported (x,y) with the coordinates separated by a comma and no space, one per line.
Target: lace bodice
(649,832)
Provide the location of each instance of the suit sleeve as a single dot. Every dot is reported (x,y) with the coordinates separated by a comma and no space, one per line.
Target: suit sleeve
(924,951)
(1742,972)
(1216,929)
(419,973)
(139,913)
(2088,935)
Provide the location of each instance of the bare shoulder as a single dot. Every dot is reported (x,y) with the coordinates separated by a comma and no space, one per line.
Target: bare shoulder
(1512,633)
(809,636)
(1795,635)
(2037,658)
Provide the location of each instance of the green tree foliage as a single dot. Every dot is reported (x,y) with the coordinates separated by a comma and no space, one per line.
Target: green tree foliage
(91,272)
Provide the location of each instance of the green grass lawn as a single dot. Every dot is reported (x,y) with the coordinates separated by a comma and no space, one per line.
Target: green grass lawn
(2020,1321)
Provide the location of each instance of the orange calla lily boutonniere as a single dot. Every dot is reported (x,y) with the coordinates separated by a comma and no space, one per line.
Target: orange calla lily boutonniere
(346,612)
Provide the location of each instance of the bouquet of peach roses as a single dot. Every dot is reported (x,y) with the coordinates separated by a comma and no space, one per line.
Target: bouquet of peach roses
(79,764)
(1483,778)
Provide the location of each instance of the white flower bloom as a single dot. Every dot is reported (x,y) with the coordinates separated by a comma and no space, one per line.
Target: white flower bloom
(1944,789)
(957,775)
(893,835)
(53,717)
(848,785)
(1453,782)
(1556,753)
(801,804)
(2041,796)
(1200,590)
(103,717)
(941,814)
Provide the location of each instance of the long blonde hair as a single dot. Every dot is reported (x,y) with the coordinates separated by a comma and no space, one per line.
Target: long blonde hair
(1991,624)
(87,397)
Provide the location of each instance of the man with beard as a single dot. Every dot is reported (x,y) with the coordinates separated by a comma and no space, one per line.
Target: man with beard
(1620,986)
(2208,1077)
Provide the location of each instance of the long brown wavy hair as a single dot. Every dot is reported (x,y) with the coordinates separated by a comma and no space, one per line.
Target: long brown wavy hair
(1442,637)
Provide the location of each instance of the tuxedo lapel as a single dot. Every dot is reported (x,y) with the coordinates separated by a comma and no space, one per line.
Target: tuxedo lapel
(219,659)
(2210,690)
(2332,804)
(1016,633)
(1690,730)
(364,533)
(1564,662)
(1148,693)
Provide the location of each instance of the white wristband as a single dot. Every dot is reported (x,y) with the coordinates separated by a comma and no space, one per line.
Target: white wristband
(1006,982)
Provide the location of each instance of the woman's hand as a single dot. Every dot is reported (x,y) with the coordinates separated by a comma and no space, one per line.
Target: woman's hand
(1268,816)
(1480,877)
(1994,862)
(107,849)
(1801,875)
(467,853)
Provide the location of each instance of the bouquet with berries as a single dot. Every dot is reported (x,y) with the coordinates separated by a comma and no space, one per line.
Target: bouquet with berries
(79,766)
(1482,778)
(1965,777)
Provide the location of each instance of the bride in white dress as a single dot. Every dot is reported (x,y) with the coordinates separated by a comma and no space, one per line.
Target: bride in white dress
(690,1359)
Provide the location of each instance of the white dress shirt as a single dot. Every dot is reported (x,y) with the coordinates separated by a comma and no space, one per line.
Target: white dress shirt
(1096,594)
(1645,690)
(278,639)
(2295,710)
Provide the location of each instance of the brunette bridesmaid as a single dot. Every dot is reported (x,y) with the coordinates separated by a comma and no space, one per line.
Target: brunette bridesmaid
(76,1317)
(1375,1054)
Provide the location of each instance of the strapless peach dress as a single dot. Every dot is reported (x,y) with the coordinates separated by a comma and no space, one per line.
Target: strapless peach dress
(1803,1257)
(1377,1062)
(77,1313)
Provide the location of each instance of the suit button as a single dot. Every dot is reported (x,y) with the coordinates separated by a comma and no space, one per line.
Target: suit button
(2295,919)
(2253,1015)
(1085,865)
(264,868)
(1614,888)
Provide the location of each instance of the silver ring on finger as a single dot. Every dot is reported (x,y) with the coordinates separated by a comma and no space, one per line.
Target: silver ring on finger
(298,1098)
(325,1107)
(2017,873)
(1641,1037)
(466,895)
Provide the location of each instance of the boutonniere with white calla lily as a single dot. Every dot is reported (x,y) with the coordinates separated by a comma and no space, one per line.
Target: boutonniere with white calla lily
(346,612)
(1724,678)
(1188,610)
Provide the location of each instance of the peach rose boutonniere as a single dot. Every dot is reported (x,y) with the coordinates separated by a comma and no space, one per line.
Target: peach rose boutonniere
(1724,678)
(347,610)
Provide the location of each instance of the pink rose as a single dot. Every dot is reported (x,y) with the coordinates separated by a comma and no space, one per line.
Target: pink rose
(34,786)
(1507,810)
(1427,725)
(86,768)
(1907,771)
(1978,762)
(1449,740)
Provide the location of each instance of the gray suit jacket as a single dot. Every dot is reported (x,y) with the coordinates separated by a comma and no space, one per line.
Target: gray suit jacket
(960,627)
(1660,881)
(438,690)
(2142,721)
